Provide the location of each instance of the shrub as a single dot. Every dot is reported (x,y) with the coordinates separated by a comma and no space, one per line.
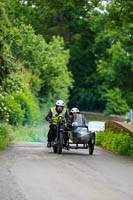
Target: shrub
(17,104)
(29,105)
(99,137)
(4,136)
(117,142)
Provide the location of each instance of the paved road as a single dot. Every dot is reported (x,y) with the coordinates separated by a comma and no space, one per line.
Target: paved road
(30,171)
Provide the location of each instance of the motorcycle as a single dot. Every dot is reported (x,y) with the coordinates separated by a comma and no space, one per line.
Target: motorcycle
(58,140)
(79,137)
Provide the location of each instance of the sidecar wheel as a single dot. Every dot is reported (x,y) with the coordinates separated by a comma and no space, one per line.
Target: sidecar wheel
(91,148)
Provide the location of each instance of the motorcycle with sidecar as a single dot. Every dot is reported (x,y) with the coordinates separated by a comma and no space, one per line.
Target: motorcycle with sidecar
(78,138)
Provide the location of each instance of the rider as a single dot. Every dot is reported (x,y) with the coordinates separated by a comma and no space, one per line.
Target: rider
(52,117)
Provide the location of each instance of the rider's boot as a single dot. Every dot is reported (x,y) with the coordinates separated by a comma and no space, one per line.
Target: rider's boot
(49,144)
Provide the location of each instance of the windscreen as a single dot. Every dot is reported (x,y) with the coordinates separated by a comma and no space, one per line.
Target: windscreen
(79,120)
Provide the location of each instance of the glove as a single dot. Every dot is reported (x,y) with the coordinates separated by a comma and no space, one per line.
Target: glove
(49,120)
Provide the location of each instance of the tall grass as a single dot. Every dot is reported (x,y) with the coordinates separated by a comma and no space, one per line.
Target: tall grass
(31,134)
(22,133)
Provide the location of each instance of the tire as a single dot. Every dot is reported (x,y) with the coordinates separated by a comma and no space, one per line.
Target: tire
(55,149)
(60,145)
(91,149)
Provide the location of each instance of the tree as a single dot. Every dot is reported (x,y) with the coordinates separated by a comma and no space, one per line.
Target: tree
(69,19)
(46,62)
(120,12)
(99,41)
(7,61)
(116,104)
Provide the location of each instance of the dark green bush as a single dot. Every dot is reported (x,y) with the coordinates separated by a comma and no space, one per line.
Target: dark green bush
(117,142)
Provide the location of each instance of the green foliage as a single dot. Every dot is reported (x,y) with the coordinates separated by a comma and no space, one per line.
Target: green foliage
(69,19)
(42,69)
(115,67)
(117,142)
(47,62)
(7,61)
(9,109)
(20,108)
(41,40)
(4,135)
(29,106)
(99,137)
(17,104)
(100,44)
(32,134)
(120,12)
(115,103)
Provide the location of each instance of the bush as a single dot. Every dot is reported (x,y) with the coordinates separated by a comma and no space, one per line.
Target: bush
(4,135)
(11,111)
(18,105)
(121,143)
(29,106)
(99,137)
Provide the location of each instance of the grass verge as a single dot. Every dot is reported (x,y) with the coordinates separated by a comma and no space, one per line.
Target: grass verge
(21,133)
(30,134)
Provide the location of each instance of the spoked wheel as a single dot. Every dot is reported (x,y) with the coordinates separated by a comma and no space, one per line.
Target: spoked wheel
(91,148)
(60,145)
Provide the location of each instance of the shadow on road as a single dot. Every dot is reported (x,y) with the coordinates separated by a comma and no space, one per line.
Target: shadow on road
(73,154)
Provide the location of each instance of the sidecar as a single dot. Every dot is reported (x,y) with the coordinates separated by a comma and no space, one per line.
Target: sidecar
(80,137)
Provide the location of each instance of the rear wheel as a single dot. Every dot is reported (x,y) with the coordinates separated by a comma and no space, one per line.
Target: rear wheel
(60,145)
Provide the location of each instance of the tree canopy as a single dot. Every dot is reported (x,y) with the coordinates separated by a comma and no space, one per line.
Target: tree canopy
(79,51)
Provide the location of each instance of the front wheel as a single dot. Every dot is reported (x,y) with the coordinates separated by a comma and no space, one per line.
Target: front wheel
(55,149)
(60,145)
(91,148)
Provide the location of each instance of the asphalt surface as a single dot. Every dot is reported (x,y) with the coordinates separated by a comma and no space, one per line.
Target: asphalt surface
(30,171)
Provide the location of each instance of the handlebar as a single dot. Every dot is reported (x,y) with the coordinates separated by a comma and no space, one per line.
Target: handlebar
(51,121)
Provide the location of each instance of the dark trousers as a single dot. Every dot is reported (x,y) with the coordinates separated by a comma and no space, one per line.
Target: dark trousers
(52,133)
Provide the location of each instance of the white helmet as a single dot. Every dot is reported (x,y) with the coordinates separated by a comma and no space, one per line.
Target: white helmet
(60,103)
(75,110)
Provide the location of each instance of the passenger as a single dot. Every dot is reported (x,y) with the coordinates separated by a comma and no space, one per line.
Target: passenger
(52,118)
(73,114)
